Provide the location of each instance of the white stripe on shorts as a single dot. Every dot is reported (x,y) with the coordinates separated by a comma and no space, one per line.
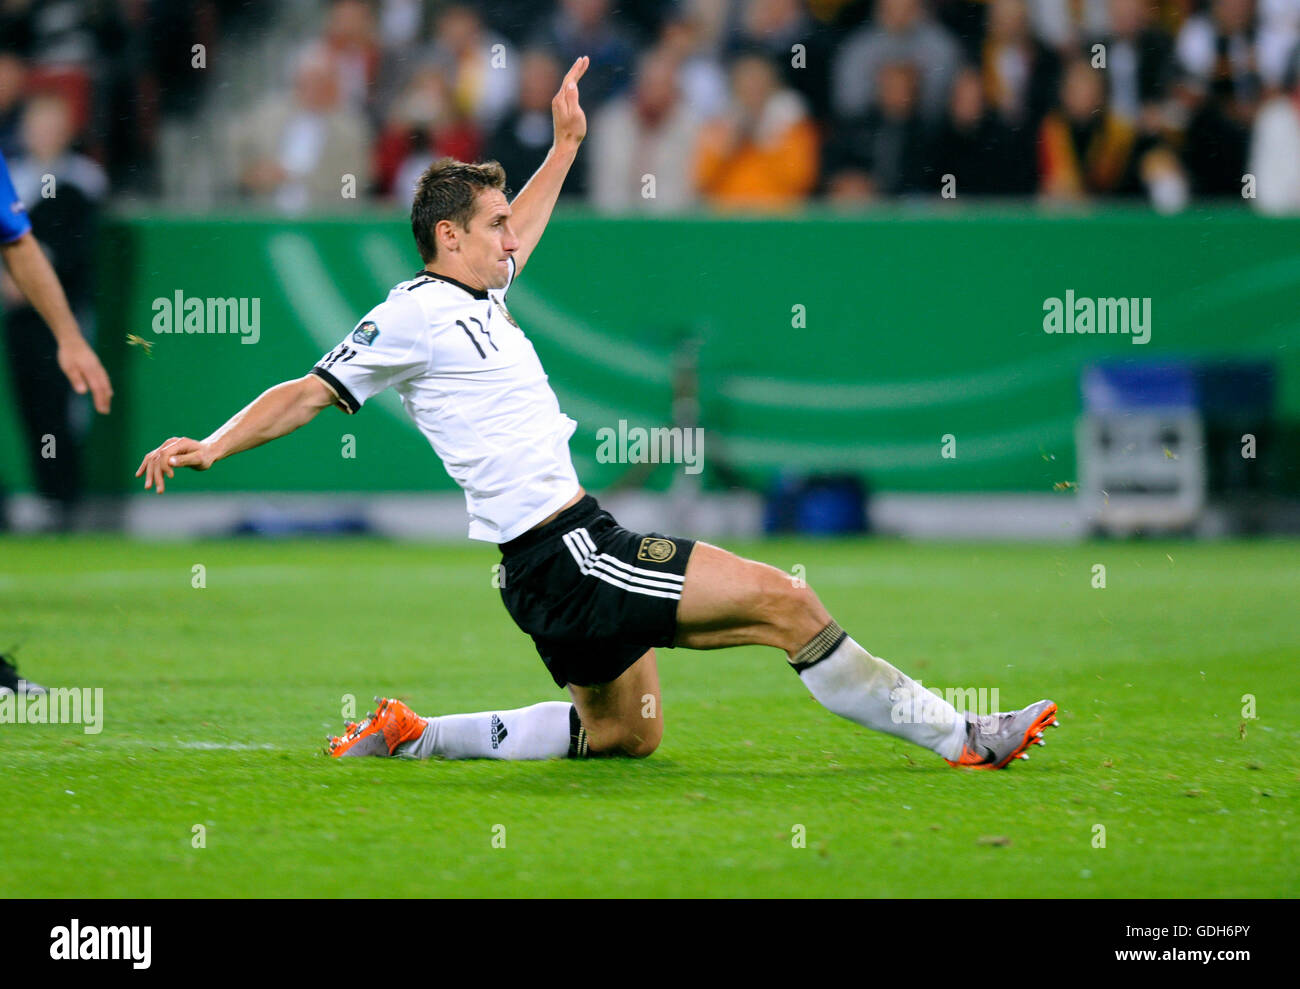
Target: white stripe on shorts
(598,567)
(659,575)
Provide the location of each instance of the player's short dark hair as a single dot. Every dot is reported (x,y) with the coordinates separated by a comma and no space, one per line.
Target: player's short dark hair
(447,191)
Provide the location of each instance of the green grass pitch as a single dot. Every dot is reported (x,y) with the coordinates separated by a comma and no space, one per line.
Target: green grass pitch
(217,701)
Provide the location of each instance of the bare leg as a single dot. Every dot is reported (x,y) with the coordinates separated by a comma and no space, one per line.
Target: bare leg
(625,716)
(729,601)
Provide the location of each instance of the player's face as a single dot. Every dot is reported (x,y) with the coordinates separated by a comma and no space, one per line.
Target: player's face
(490,240)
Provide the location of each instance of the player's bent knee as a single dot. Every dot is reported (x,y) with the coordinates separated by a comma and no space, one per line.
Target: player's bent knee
(641,739)
(777,595)
(810,607)
(640,748)
(617,739)
(793,608)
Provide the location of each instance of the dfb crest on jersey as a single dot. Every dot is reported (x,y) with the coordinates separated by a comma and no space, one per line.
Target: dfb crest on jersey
(365,333)
(505,312)
(656,550)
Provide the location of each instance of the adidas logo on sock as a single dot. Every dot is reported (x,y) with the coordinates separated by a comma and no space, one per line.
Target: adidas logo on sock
(498,731)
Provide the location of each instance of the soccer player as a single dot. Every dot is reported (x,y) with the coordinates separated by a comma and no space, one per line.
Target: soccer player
(596,598)
(34,276)
(32,273)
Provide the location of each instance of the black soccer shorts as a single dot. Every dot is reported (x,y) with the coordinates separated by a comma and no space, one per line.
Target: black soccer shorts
(593,596)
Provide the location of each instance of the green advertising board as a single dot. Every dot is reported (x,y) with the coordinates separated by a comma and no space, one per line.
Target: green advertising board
(824,343)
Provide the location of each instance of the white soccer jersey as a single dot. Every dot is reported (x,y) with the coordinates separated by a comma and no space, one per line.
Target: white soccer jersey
(472,383)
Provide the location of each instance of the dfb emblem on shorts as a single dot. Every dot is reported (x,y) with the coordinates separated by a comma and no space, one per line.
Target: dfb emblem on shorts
(506,313)
(365,333)
(655,550)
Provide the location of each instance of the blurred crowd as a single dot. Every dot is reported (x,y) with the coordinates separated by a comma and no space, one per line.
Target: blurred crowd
(715,104)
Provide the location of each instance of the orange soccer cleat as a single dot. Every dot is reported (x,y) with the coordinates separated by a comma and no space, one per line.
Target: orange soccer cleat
(381,733)
(994,740)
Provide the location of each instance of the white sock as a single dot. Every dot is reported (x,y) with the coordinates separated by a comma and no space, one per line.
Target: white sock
(854,684)
(544,731)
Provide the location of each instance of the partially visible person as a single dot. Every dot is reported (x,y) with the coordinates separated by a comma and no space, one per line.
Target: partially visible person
(1275,148)
(1083,148)
(1139,62)
(700,75)
(520,142)
(1218,89)
(763,152)
(884,152)
(902,30)
(1086,149)
(33,294)
(1276,41)
(351,39)
(481,65)
(1219,47)
(1021,74)
(588,28)
(11,682)
(641,152)
(293,151)
(397,26)
(423,124)
(1062,25)
(13,76)
(977,148)
(784,31)
(966,21)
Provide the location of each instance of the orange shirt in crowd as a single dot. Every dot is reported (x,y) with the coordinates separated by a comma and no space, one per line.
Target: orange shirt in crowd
(780,173)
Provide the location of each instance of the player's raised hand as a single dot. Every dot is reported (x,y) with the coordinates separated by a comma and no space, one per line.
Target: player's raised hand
(179,451)
(570,121)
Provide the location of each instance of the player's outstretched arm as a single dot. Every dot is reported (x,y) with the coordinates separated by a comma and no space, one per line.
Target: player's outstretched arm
(531,210)
(35,278)
(275,413)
